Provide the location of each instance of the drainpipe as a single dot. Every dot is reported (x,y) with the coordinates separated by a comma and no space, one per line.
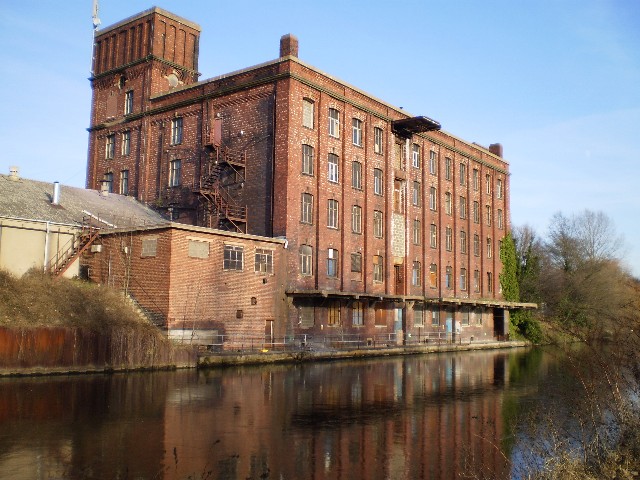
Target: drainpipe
(46,249)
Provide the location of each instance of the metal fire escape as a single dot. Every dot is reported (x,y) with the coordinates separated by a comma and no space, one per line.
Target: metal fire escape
(81,241)
(223,177)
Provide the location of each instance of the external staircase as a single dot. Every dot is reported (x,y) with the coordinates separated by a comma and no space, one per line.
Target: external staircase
(80,242)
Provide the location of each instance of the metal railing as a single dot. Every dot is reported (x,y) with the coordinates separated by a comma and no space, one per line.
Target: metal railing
(333,342)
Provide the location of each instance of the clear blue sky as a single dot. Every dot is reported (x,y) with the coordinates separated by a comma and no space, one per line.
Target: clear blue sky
(556,82)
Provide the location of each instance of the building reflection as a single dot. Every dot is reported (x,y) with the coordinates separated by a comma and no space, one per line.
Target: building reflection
(435,416)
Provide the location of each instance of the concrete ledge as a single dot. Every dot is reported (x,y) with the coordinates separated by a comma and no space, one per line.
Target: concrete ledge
(222,359)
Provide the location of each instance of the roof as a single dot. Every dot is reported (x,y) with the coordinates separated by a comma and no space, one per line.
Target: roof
(31,200)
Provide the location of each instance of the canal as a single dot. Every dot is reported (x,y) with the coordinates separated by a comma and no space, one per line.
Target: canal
(427,416)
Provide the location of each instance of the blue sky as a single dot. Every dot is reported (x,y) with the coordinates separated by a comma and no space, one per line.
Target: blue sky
(556,82)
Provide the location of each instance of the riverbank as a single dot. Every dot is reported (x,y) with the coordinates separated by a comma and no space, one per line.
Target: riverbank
(231,358)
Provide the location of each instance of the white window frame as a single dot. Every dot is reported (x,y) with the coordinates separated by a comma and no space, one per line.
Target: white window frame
(378,140)
(332,262)
(307,159)
(356,219)
(356,175)
(415,155)
(176,130)
(175,172)
(125,148)
(306,208)
(334,123)
(332,213)
(357,131)
(333,168)
(378,224)
(233,258)
(378,181)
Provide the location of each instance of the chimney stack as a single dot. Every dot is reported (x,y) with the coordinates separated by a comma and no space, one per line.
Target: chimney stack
(13,174)
(496,149)
(288,45)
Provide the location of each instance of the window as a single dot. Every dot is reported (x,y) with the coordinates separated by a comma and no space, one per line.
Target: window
(500,220)
(356,175)
(418,315)
(433,162)
(448,279)
(263,261)
(476,179)
(149,247)
(463,242)
(332,262)
(200,249)
(415,155)
(417,232)
(175,173)
(124,182)
(357,313)
(377,140)
(107,182)
(176,131)
(356,219)
(356,262)
(447,168)
(306,208)
(463,279)
(488,214)
(333,313)
(110,146)
(433,275)
(416,194)
(398,196)
(465,315)
(448,239)
(463,174)
(476,245)
(447,203)
(307,113)
(489,282)
(433,198)
(476,212)
(416,274)
(126,143)
(233,257)
(499,188)
(307,159)
(377,224)
(128,102)
(377,181)
(357,132)
(306,260)
(332,213)
(378,268)
(489,248)
(433,236)
(463,207)
(476,280)
(488,182)
(332,173)
(435,318)
(334,123)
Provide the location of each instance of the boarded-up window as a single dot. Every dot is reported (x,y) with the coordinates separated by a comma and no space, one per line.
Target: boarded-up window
(149,247)
(307,113)
(198,249)
(418,315)
(381,317)
(306,317)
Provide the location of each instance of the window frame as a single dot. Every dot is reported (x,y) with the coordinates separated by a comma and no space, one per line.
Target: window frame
(110,146)
(263,261)
(378,269)
(416,274)
(334,122)
(378,140)
(378,224)
(308,113)
(356,126)
(125,148)
(124,182)
(378,182)
(128,102)
(306,208)
(175,173)
(233,258)
(333,168)
(433,235)
(356,175)
(415,155)
(333,213)
(356,219)
(177,126)
(307,159)
(332,262)
(306,260)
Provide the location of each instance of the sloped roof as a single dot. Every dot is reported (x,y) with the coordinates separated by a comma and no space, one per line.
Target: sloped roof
(31,200)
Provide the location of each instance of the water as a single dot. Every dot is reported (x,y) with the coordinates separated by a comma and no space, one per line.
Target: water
(431,416)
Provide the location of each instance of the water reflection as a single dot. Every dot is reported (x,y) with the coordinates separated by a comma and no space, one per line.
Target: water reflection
(435,416)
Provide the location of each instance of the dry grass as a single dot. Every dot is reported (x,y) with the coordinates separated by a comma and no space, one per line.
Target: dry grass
(38,300)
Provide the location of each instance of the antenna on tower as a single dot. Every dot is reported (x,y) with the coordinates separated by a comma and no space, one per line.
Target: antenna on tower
(96,20)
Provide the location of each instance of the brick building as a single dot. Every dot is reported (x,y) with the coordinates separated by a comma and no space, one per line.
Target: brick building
(392,225)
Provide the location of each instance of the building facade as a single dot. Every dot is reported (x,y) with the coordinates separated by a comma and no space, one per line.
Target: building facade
(392,225)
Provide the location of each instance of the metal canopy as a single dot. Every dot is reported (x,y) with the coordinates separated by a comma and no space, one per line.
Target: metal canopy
(408,126)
